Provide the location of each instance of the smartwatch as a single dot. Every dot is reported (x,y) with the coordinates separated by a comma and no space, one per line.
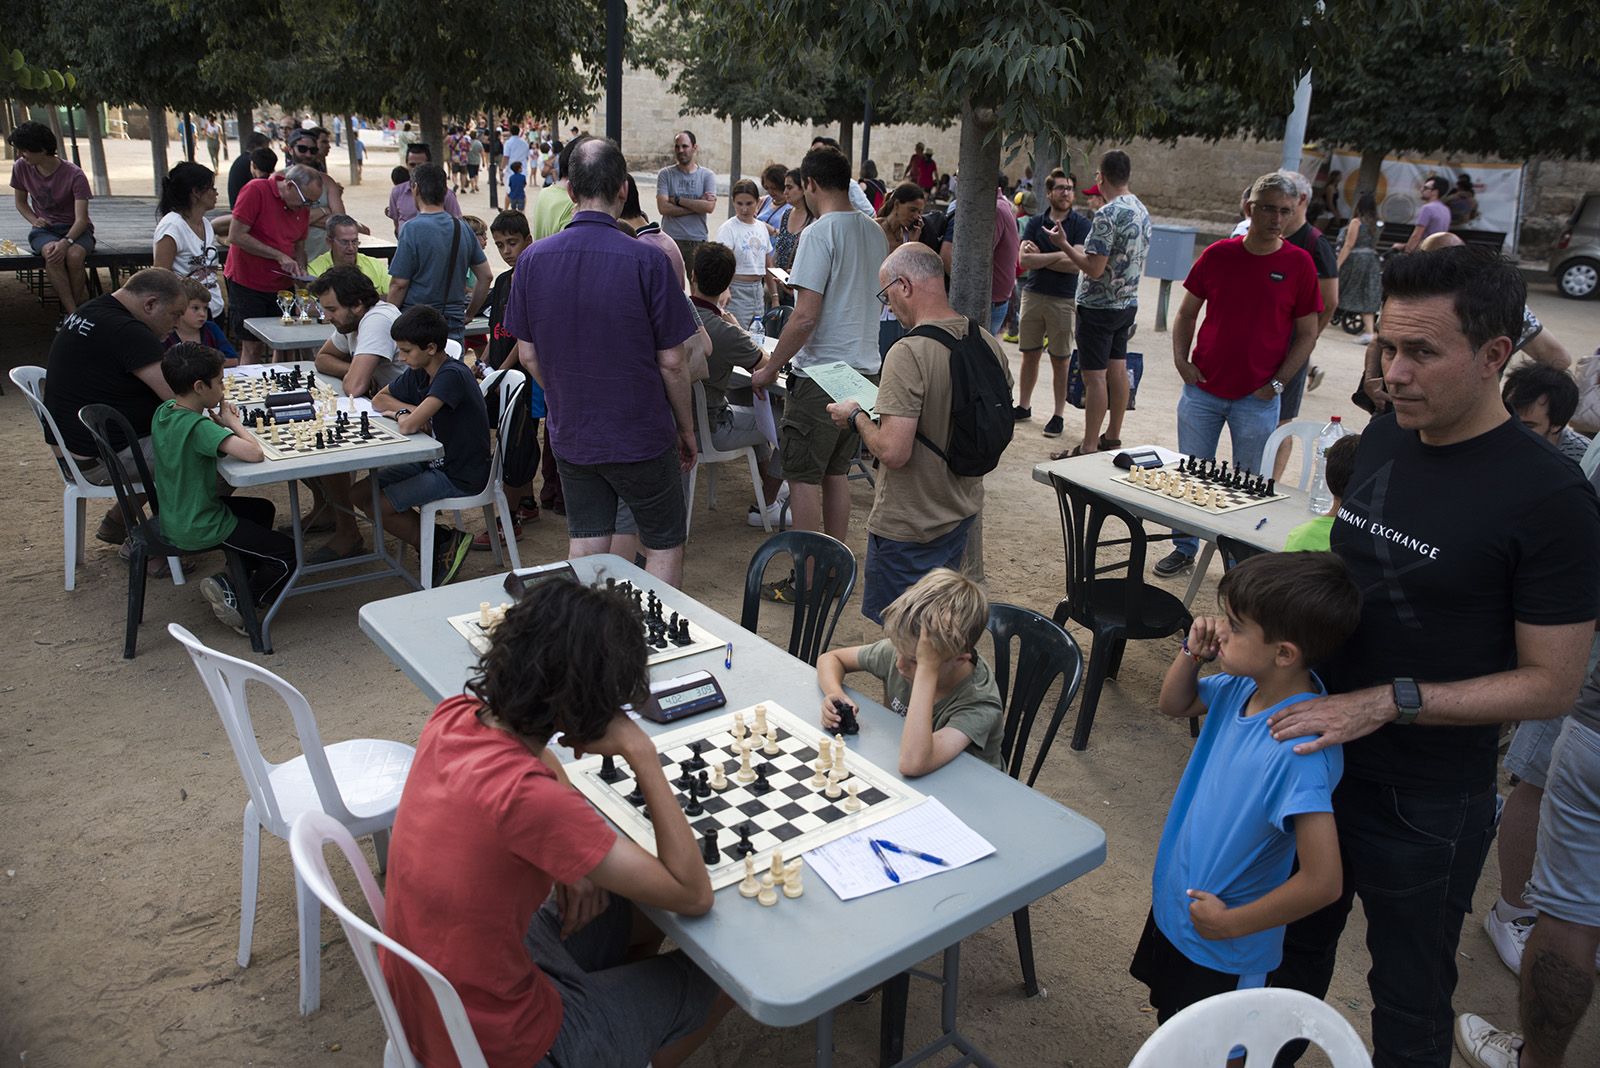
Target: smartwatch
(398,412)
(1407,700)
(1277,387)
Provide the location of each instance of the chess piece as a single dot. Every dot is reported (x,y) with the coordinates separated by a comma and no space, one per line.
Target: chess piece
(777,866)
(483,614)
(685,779)
(719,777)
(825,751)
(745,848)
(366,427)
(853,802)
(637,797)
(771,748)
(768,896)
(761,785)
(693,808)
(820,779)
(833,792)
(608,769)
(745,774)
(708,847)
(793,887)
(838,749)
(839,770)
(702,784)
(1271,487)
(847,716)
(695,761)
(761,719)
(261,423)
(738,726)
(749,887)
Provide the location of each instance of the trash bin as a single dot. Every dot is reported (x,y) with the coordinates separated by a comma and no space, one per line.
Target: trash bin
(1171,253)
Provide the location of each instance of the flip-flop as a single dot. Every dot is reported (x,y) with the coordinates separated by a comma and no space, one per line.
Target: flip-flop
(1067,454)
(1110,443)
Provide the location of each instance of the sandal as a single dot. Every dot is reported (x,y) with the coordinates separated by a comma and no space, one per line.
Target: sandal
(1067,454)
(1110,443)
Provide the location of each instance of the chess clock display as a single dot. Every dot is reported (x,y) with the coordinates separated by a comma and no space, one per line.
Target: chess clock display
(686,695)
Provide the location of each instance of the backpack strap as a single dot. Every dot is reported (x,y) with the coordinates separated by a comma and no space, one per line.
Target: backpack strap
(949,341)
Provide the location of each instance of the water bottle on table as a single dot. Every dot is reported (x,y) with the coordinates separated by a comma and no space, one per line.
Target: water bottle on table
(758,330)
(1321,495)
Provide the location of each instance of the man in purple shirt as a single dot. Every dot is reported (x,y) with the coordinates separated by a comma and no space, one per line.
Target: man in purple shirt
(403,198)
(1433,217)
(602,324)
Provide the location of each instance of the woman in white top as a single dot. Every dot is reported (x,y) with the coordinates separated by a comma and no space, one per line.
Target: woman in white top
(185,242)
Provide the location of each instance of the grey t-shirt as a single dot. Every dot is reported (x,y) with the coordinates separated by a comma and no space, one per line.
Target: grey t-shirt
(838,256)
(422,256)
(672,182)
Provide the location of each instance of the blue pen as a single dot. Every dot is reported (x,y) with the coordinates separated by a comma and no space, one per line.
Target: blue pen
(894,876)
(1261,524)
(929,857)
(727,660)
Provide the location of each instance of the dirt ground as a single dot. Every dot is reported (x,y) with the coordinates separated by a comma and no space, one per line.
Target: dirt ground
(119,848)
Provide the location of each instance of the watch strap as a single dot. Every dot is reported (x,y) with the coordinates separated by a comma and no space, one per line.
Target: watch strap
(1407,701)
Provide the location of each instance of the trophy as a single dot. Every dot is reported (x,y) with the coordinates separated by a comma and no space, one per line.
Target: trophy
(286,304)
(303,298)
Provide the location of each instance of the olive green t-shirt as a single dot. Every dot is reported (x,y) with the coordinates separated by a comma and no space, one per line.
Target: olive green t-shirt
(186,444)
(973,707)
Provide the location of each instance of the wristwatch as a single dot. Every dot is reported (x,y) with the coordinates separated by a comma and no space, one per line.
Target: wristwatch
(1407,700)
(858,411)
(1277,387)
(398,412)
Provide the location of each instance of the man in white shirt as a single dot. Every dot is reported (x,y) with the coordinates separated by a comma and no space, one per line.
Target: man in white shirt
(515,150)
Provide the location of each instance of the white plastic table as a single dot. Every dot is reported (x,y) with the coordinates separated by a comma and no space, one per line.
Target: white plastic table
(280,336)
(794,964)
(241,474)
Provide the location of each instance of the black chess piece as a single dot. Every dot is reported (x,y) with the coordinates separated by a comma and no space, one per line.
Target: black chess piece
(847,716)
(319,440)
(366,427)
(761,785)
(744,848)
(702,784)
(637,797)
(693,807)
(708,847)
(1223,474)
(695,761)
(685,780)
(608,769)
(1271,490)
(684,637)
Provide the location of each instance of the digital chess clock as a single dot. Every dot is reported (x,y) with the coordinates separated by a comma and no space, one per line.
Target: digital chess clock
(686,695)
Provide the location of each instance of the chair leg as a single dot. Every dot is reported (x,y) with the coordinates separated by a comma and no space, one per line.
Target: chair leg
(1024,928)
(425,554)
(175,565)
(711,487)
(491,524)
(1114,662)
(688,502)
(755,482)
(1089,699)
(1201,565)
(380,846)
(239,578)
(310,910)
(508,530)
(249,872)
(74,520)
(1194,726)
(136,582)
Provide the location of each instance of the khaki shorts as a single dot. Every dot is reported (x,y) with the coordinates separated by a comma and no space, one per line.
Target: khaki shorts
(1045,316)
(811,446)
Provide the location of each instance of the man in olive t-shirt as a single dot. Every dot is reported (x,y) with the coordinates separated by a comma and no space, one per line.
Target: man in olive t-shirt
(922,512)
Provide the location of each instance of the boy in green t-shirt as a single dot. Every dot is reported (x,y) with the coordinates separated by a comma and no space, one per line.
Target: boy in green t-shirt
(931,671)
(1340,464)
(187,441)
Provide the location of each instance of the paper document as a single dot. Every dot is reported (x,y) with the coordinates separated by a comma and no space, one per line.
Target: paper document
(850,867)
(842,382)
(764,420)
(779,273)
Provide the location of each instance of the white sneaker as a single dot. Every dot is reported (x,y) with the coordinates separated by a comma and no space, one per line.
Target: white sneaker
(1485,1045)
(1510,937)
(1364,339)
(775,513)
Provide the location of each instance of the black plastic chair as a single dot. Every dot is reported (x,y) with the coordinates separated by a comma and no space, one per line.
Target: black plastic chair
(1235,552)
(1044,653)
(112,432)
(1116,610)
(775,320)
(824,577)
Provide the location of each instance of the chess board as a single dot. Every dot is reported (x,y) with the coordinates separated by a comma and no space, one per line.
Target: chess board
(1180,489)
(792,815)
(470,626)
(245,389)
(279,441)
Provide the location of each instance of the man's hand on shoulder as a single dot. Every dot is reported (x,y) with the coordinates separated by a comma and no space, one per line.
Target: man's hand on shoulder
(1333,720)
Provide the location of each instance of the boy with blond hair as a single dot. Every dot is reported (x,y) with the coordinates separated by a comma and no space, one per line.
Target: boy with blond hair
(931,671)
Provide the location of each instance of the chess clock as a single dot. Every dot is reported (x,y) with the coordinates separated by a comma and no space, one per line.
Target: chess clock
(520,583)
(687,695)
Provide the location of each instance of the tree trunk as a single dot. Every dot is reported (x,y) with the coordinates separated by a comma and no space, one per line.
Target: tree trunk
(158,144)
(866,125)
(845,128)
(430,115)
(97,149)
(7,124)
(53,120)
(1046,158)
(735,156)
(246,121)
(971,287)
(350,146)
(1371,170)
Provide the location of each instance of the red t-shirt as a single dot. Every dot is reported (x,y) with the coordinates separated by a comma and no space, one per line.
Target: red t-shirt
(1007,240)
(483,831)
(272,222)
(1251,305)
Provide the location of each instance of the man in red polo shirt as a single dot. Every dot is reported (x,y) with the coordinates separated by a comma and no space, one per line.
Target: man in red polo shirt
(267,247)
(1261,299)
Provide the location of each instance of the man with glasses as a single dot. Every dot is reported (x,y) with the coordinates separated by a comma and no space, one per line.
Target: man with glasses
(1048,298)
(1261,299)
(267,253)
(403,198)
(344,250)
(311,147)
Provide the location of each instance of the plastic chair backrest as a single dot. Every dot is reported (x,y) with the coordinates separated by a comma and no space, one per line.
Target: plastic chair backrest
(31,381)
(708,453)
(1235,552)
(1044,653)
(1305,432)
(109,427)
(1261,1020)
(505,385)
(820,598)
(1590,461)
(226,678)
(311,833)
(1083,516)
(776,319)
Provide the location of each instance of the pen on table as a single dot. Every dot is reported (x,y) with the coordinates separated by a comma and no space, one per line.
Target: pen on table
(1261,524)
(727,659)
(894,876)
(903,850)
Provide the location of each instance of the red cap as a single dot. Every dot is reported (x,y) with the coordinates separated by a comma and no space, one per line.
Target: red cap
(1092,191)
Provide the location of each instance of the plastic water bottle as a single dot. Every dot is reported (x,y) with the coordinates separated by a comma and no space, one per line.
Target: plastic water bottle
(1321,495)
(758,330)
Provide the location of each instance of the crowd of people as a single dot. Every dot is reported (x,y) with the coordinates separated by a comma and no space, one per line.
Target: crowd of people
(1366,674)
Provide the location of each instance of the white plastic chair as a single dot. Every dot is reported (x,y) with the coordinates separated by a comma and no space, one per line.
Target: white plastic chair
(1301,430)
(492,498)
(307,839)
(1590,461)
(1260,1020)
(79,491)
(710,454)
(357,783)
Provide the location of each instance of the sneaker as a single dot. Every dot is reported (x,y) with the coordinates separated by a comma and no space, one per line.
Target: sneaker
(1510,937)
(481,542)
(1019,413)
(448,558)
(1174,563)
(775,513)
(218,592)
(1054,427)
(1011,338)
(1364,339)
(1315,380)
(781,592)
(1485,1045)
(526,511)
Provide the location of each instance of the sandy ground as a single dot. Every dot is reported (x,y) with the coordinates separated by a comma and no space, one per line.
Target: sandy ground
(119,847)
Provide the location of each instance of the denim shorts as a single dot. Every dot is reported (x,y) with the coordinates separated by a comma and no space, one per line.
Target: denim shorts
(651,489)
(407,486)
(1528,758)
(895,566)
(612,1012)
(1566,866)
(40,236)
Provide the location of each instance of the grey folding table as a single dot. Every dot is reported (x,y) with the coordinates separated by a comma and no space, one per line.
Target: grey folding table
(794,964)
(280,336)
(241,474)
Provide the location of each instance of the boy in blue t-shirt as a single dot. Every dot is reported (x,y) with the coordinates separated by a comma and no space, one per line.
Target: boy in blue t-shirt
(437,395)
(1247,805)
(517,189)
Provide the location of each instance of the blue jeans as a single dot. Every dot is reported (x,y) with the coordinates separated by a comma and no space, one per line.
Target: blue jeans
(1414,856)
(997,316)
(1201,416)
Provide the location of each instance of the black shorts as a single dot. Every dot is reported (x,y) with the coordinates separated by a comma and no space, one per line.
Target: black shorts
(246,303)
(472,170)
(1103,336)
(1175,981)
(652,489)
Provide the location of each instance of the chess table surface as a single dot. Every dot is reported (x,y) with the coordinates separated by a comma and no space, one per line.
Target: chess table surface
(789,964)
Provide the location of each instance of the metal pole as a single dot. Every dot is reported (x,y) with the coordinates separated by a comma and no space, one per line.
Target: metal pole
(866,125)
(616,19)
(1294,129)
(72,132)
(491,142)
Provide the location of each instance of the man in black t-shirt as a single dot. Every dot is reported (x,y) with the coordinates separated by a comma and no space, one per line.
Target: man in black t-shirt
(240,172)
(1473,544)
(1049,298)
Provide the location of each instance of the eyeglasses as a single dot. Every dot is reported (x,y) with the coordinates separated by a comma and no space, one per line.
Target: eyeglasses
(303,198)
(883,294)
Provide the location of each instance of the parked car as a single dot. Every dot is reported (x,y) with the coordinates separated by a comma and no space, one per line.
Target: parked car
(1575,264)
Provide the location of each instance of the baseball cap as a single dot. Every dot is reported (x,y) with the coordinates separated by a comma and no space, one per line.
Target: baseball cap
(1092,191)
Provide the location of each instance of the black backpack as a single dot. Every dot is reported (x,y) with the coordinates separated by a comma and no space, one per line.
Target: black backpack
(981,421)
(521,447)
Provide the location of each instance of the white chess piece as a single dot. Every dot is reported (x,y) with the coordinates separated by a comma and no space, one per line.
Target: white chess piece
(768,896)
(748,887)
(853,803)
(820,779)
(719,777)
(761,719)
(483,614)
(840,770)
(738,726)
(777,865)
(771,748)
(792,885)
(745,773)
(833,792)
(825,750)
